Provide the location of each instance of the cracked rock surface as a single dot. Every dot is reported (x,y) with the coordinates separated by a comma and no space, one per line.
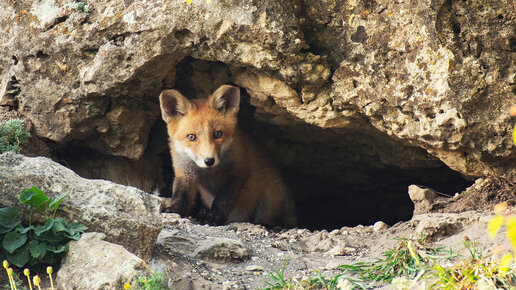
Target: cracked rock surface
(437,75)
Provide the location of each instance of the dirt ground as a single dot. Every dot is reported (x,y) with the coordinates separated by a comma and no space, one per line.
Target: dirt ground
(241,254)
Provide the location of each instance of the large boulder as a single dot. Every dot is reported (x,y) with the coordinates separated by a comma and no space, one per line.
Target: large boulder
(126,215)
(92,263)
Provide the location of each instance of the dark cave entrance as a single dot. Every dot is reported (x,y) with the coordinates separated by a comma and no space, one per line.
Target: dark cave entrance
(336,180)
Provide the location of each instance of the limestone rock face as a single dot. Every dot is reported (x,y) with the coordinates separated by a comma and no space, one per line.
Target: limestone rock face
(93,263)
(126,215)
(438,74)
(407,78)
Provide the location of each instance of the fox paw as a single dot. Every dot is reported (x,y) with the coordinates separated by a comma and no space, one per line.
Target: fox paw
(214,219)
(176,206)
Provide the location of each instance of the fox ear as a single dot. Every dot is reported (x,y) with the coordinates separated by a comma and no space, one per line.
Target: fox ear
(173,105)
(225,99)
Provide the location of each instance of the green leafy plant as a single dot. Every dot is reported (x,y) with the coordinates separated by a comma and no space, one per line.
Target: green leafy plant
(276,279)
(149,282)
(36,245)
(81,6)
(410,258)
(12,135)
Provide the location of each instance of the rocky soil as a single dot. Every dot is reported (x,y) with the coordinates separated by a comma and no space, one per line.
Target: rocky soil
(128,237)
(250,251)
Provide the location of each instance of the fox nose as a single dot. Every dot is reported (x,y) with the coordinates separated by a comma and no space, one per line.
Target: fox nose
(209,161)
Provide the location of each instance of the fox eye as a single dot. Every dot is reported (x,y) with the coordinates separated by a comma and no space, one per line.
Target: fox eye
(191,137)
(217,134)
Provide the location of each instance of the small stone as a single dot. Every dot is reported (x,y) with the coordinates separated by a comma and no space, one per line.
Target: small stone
(227,285)
(222,250)
(379,226)
(341,251)
(253,268)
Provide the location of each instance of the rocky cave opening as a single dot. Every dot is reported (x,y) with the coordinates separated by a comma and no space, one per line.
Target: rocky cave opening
(339,177)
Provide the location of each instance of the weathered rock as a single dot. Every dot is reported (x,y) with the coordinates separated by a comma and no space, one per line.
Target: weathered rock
(214,249)
(434,227)
(93,263)
(422,197)
(106,67)
(422,71)
(222,250)
(480,196)
(126,215)
(322,242)
(380,226)
(176,243)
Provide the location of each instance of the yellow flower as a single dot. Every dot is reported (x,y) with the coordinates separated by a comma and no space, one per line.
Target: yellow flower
(6,264)
(127,286)
(49,270)
(26,272)
(494,226)
(505,263)
(36,280)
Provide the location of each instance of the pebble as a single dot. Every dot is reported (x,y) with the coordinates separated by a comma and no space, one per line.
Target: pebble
(341,251)
(254,268)
(379,226)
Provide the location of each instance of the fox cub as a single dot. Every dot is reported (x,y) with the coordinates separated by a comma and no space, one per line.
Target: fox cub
(233,177)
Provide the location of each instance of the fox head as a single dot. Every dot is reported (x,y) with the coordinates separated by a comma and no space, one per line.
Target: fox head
(201,129)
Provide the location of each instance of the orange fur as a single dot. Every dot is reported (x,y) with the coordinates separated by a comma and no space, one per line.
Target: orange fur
(243,183)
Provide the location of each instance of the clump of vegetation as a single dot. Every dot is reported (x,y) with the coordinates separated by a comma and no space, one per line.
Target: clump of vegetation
(408,258)
(81,7)
(36,245)
(149,282)
(471,273)
(411,261)
(12,135)
(277,280)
